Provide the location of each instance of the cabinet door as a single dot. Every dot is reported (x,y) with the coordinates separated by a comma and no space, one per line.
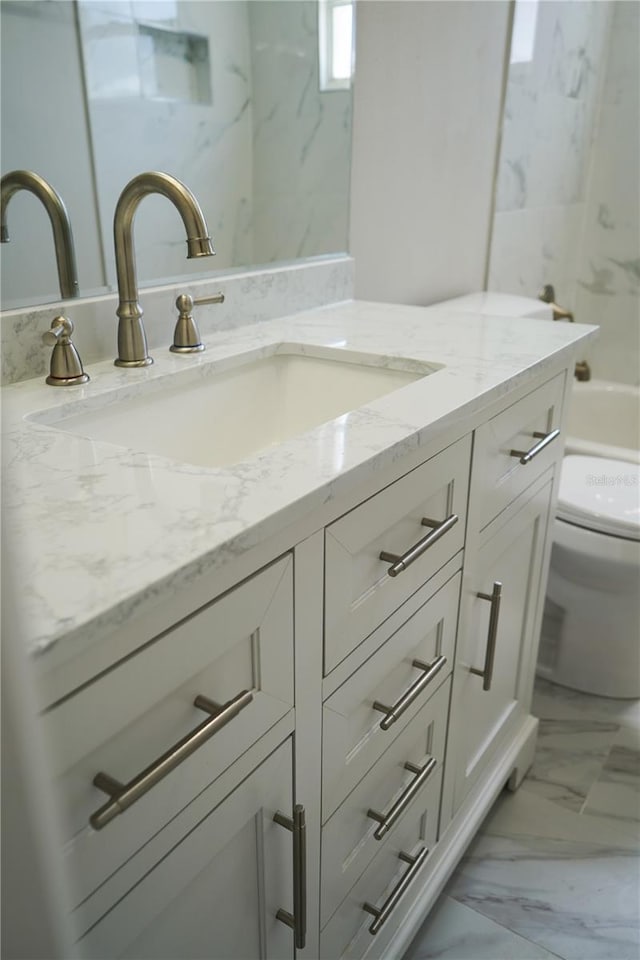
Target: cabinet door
(217,893)
(512,555)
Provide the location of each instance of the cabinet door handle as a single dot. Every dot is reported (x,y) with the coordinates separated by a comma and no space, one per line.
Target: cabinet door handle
(526,456)
(400,562)
(387,820)
(494,599)
(298,920)
(123,795)
(404,702)
(382,914)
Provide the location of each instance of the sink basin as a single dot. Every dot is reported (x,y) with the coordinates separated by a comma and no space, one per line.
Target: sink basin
(215,417)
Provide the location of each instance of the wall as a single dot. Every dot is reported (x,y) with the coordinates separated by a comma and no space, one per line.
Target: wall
(549,121)
(608,275)
(207,145)
(426,115)
(301,138)
(53,142)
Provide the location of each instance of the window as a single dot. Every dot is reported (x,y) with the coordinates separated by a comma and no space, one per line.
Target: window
(335,38)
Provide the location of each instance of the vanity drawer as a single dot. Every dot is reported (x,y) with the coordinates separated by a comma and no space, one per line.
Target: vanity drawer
(352,736)
(348,932)
(498,474)
(360,593)
(351,838)
(121,724)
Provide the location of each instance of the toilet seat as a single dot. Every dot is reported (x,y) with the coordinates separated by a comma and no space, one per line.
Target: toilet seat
(601,495)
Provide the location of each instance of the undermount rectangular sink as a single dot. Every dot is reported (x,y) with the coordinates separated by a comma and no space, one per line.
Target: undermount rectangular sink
(216,417)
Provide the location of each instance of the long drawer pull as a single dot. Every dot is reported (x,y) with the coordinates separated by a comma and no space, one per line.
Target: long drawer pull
(404,702)
(526,456)
(387,820)
(400,562)
(382,914)
(494,599)
(298,920)
(123,795)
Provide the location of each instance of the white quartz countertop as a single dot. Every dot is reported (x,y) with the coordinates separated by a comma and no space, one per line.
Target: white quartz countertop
(94,533)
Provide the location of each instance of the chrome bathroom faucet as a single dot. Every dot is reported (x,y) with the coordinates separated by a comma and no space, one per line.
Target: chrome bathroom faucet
(132,341)
(62,236)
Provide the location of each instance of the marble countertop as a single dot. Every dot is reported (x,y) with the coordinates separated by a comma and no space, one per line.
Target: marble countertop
(93,533)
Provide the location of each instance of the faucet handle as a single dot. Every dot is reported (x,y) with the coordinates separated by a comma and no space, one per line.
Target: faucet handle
(186,336)
(66,366)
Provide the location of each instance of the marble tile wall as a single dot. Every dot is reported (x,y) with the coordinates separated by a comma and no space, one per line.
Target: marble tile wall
(608,269)
(207,145)
(301,138)
(250,297)
(549,122)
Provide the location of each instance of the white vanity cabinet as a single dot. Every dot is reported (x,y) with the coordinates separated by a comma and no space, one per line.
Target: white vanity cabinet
(388,646)
(497,635)
(217,892)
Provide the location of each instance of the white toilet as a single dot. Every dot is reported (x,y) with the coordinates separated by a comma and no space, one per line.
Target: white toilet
(591,628)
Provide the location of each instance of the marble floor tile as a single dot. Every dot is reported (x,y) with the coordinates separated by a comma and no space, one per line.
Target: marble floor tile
(553,702)
(616,793)
(454,931)
(570,755)
(578,900)
(526,814)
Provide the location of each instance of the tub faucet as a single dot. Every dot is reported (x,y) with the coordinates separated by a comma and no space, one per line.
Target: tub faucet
(62,236)
(132,341)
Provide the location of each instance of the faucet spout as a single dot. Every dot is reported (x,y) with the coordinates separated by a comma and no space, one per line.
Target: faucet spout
(62,236)
(132,341)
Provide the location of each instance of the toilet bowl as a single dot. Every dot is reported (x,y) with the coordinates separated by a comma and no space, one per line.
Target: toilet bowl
(591,626)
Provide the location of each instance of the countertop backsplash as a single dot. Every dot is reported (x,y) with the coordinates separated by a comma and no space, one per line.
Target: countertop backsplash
(250,297)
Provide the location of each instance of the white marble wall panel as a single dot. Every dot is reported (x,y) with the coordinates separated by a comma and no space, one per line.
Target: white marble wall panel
(550,115)
(301,138)
(44,130)
(608,289)
(250,297)
(208,146)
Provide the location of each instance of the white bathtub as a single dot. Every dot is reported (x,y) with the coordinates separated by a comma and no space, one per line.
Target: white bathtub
(604,421)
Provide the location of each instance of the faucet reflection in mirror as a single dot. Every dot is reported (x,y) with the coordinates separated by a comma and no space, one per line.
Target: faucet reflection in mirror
(132,341)
(53,203)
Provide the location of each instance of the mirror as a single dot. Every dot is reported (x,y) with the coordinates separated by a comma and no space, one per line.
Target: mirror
(568,193)
(248,102)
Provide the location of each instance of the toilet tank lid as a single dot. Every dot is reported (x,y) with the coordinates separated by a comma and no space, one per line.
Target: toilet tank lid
(601,494)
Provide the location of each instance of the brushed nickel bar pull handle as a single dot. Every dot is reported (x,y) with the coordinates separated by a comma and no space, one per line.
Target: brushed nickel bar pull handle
(123,795)
(526,456)
(298,920)
(400,562)
(494,599)
(387,820)
(404,702)
(382,914)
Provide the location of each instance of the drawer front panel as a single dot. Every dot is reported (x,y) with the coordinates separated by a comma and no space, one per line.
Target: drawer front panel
(352,737)
(347,933)
(359,593)
(126,720)
(498,475)
(351,838)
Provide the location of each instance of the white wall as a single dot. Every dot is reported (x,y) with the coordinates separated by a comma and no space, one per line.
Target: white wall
(426,116)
